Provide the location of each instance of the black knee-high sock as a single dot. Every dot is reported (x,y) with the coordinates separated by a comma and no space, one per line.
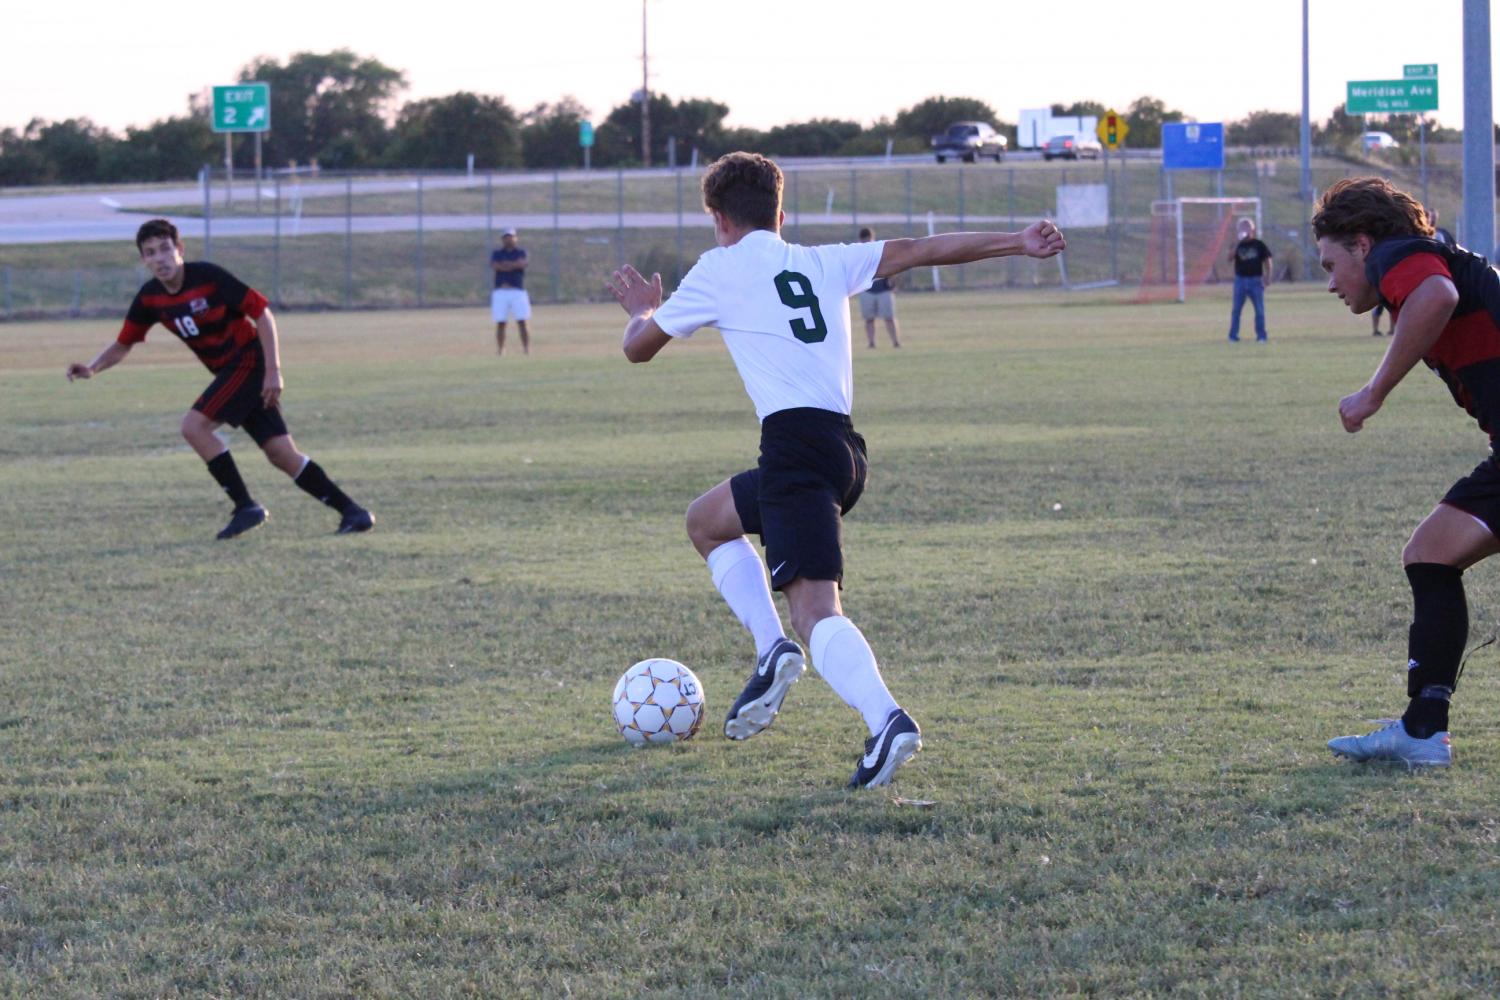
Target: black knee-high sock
(1435,645)
(223,469)
(315,481)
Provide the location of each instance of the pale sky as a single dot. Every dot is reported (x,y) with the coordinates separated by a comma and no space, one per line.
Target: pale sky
(772,63)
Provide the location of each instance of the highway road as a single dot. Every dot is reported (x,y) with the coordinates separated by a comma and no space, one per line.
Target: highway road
(105,214)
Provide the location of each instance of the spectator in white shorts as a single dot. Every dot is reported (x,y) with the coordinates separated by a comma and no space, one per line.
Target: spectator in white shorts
(878,302)
(509,299)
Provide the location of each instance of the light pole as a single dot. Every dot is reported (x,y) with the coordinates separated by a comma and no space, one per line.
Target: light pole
(1306,183)
(646,94)
(1479,131)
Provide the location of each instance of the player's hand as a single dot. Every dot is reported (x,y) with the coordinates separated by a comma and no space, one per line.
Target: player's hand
(1355,409)
(634,293)
(76,370)
(270,392)
(1043,239)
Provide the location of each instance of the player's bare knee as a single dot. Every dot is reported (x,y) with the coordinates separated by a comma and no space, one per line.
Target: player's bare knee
(195,427)
(698,524)
(282,452)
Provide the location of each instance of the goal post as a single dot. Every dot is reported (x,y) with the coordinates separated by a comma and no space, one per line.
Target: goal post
(1187,239)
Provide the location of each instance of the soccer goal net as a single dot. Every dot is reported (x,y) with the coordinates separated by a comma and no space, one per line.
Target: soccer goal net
(1189,242)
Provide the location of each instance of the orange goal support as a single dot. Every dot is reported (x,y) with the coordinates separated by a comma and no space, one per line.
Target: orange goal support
(1189,242)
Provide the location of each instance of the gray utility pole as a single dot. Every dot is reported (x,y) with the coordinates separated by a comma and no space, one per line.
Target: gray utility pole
(645,94)
(1306,184)
(1479,131)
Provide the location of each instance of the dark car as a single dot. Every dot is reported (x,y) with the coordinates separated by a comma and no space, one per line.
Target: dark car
(1072,147)
(969,141)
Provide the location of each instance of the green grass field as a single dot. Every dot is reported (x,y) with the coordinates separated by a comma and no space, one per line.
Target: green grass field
(1128,577)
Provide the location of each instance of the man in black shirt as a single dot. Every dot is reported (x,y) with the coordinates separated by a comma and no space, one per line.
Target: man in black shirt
(1252,273)
(509,299)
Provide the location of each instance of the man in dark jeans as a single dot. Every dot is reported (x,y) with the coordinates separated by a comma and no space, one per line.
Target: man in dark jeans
(1252,273)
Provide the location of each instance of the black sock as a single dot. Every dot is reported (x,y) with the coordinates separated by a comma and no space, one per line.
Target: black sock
(223,469)
(1428,712)
(1435,645)
(315,481)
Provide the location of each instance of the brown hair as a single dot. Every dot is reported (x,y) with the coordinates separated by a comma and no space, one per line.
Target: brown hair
(746,188)
(152,228)
(866,233)
(1370,205)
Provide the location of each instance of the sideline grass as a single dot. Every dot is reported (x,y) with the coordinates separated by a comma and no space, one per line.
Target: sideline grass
(318,766)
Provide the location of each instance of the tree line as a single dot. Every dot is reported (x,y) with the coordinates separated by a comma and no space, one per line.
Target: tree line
(338,110)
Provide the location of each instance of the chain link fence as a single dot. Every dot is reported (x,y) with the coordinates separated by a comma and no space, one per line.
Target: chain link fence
(419,240)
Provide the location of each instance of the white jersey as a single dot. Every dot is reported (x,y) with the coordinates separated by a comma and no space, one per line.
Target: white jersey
(783,310)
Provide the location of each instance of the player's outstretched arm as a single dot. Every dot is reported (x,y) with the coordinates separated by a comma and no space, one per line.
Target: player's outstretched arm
(1040,239)
(1423,315)
(107,358)
(640,298)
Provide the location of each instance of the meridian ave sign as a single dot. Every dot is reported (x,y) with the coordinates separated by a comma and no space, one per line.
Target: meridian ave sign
(1391,96)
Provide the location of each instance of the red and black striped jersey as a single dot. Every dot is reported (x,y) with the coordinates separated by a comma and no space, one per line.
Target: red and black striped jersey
(213,313)
(1466,355)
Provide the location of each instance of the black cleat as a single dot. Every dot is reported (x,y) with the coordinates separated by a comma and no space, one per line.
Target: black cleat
(887,750)
(757,705)
(356,518)
(244,519)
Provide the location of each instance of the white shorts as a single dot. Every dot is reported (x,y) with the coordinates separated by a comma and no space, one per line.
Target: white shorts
(877,305)
(509,303)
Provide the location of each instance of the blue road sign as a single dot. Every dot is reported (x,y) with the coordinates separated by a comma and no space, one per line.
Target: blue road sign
(1192,145)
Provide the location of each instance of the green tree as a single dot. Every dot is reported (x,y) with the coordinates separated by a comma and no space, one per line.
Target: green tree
(442,131)
(330,107)
(78,150)
(20,162)
(872,141)
(695,123)
(751,140)
(549,134)
(170,149)
(1265,128)
(1145,119)
(1341,128)
(1079,108)
(932,116)
(819,137)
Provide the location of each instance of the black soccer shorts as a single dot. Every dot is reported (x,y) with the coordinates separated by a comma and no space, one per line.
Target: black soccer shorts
(1478,494)
(233,397)
(812,470)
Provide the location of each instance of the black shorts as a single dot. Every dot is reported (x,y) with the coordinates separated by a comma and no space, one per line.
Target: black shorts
(1478,494)
(812,470)
(233,397)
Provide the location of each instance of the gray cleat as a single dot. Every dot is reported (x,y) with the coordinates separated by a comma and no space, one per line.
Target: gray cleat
(1392,744)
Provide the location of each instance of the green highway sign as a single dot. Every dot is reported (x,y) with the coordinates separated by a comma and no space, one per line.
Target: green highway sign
(1419,71)
(243,107)
(585,134)
(1391,96)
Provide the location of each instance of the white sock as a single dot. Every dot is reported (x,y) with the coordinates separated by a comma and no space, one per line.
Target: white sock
(847,663)
(740,575)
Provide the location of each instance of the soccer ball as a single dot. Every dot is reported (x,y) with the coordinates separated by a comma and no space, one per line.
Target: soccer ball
(658,701)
